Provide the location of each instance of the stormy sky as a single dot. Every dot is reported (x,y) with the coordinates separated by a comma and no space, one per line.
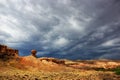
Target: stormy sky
(72,29)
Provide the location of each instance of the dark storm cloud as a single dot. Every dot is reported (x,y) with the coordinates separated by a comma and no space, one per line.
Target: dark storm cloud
(73,29)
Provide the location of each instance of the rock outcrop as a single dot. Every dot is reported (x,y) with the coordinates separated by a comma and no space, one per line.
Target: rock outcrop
(54,60)
(6,52)
(30,62)
(33,52)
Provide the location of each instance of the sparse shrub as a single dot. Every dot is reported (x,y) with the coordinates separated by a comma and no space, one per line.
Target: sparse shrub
(99,69)
(117,70)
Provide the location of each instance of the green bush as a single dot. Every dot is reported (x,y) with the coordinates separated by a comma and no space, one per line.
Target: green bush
(117,70)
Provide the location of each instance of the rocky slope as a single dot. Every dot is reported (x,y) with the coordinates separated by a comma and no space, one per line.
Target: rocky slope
(32,68)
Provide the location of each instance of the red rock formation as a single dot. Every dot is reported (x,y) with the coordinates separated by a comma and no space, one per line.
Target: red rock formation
(6,51)
(57,61)
(33,52)
(3,48)
(16,52)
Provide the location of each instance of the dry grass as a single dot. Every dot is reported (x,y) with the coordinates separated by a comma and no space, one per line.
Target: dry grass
(13,70)
(16,74)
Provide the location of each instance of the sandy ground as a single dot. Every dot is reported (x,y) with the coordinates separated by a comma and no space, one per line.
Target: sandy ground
(13,70)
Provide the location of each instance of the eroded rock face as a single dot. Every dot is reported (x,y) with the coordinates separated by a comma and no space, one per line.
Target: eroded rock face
(57,61)
(6,52)
(33,52)
(3,49)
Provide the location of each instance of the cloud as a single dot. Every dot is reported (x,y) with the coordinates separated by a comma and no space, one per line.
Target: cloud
(67,26)
(60,42)
(111,42)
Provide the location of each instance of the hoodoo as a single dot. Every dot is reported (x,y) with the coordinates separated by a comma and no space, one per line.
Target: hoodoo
(33,52)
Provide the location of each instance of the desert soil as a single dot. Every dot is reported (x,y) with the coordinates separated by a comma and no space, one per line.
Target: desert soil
(9,71)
